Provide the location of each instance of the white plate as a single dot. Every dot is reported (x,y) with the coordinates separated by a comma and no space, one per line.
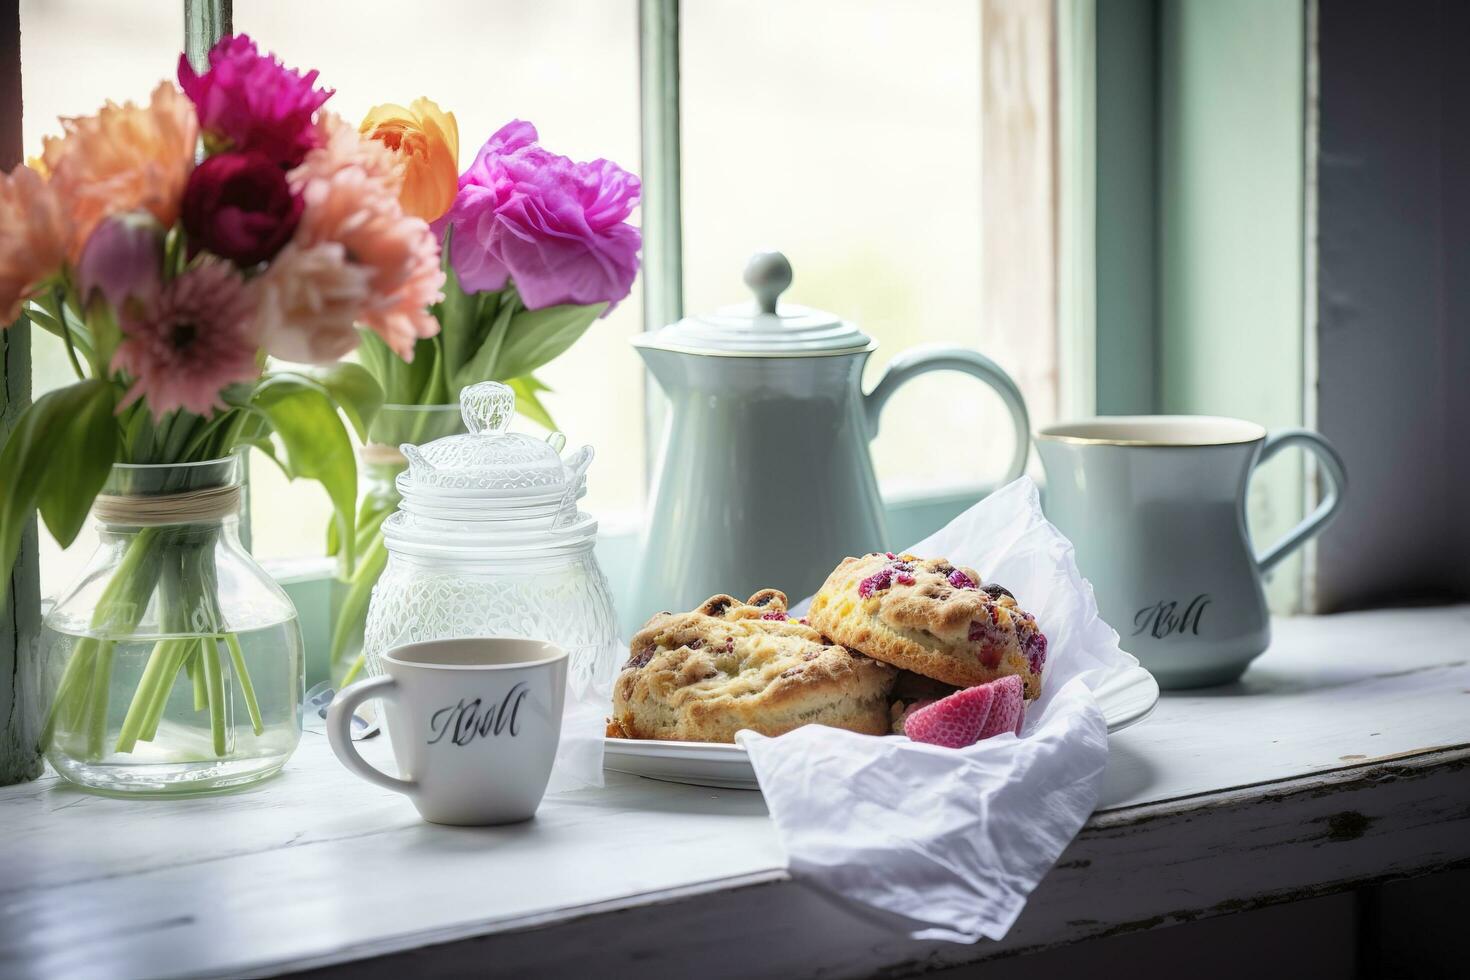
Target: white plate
(1127,699)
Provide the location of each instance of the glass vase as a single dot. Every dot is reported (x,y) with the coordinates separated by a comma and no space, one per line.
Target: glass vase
(176,661)
(381,462)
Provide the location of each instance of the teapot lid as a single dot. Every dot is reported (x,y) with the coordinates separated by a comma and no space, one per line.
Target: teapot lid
(764,327)
(489,466)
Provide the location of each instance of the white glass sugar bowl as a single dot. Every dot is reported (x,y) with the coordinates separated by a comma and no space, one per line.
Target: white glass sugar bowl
(488,541)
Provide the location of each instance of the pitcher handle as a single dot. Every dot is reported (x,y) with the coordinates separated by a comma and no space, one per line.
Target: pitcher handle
(1314,522)
(912,363)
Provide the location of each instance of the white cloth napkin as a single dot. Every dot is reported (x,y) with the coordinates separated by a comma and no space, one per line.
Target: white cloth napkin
(954,840)
(578,763)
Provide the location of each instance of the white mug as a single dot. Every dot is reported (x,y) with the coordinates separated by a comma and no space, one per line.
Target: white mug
(474,724)
(1155,505)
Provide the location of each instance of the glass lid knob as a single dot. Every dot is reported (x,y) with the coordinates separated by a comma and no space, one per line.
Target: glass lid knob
(487,407)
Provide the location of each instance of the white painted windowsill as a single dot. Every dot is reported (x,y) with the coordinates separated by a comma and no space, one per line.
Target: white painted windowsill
(1343,756)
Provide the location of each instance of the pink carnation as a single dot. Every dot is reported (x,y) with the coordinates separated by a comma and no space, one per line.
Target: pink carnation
(401,255)
(342,146)
(556,228)
(250,101)
(310,299)
(188,341)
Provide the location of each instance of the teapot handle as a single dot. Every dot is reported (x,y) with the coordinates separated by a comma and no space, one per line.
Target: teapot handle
(912,363)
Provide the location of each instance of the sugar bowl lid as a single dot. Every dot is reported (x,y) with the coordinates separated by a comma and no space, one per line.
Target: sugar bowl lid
(764,327)
(489,463)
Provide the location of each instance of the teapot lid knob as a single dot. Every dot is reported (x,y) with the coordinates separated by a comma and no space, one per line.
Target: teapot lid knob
(767,274)
(487,407)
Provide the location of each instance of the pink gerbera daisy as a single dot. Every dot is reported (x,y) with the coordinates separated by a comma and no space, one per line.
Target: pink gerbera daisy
(191,340)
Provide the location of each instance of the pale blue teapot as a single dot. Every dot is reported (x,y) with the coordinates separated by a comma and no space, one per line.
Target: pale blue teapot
(764,476)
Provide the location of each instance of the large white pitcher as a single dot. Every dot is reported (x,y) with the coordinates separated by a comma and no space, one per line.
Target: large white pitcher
(764,477)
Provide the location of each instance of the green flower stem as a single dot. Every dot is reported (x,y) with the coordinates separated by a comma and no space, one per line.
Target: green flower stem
(196,676)
(152,689)
(118,610)
(97,697)
(355,669)
(215,683)
(68,706)
(237,657)
(355,603)
(175,655)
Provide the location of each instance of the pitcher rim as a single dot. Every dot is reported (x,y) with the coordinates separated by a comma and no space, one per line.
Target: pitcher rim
(1244,432)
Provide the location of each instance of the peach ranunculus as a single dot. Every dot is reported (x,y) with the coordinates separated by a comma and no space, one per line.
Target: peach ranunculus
(33,238)
(401,254)
(125,158)
(427,139)
(309,300)
(342,147)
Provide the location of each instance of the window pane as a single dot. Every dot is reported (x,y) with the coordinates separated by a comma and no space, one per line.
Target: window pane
(856,137)
(569,67)
(76,54)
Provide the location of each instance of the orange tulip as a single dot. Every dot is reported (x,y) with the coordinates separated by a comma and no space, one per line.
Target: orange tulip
(427,139)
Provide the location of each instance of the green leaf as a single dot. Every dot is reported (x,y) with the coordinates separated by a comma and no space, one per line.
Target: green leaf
(459,314)
(354,390)
(402,383)
(527,402)
(484,365)
(56,460)
(304,418)
(537,336)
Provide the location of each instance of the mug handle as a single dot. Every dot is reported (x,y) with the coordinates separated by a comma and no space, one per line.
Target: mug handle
(912,363)
(339,727)
(1314,522)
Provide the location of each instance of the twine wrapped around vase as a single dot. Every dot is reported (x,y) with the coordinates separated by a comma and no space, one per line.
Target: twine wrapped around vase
(188,507)
(382,454)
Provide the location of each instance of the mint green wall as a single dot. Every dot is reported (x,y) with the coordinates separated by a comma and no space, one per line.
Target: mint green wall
(1126,107)
(1230,233)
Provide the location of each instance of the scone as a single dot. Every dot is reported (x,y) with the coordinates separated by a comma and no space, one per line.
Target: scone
(930,617)
(702,676)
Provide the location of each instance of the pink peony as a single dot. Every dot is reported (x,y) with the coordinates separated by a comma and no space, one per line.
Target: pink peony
(122,259)
(558,229)
(194,337)
(401,255)
(310,299)
(250,101)
(240,207)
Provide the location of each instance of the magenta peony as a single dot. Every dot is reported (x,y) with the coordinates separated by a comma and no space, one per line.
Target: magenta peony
(240,206)
(250,101)
(556,228)
(194,337)
(122,259)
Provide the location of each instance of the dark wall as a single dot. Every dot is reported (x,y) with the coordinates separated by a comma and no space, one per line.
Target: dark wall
(1394,297)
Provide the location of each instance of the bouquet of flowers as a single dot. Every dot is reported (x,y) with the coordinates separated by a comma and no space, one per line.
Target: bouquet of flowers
(172,247)
(536,248)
